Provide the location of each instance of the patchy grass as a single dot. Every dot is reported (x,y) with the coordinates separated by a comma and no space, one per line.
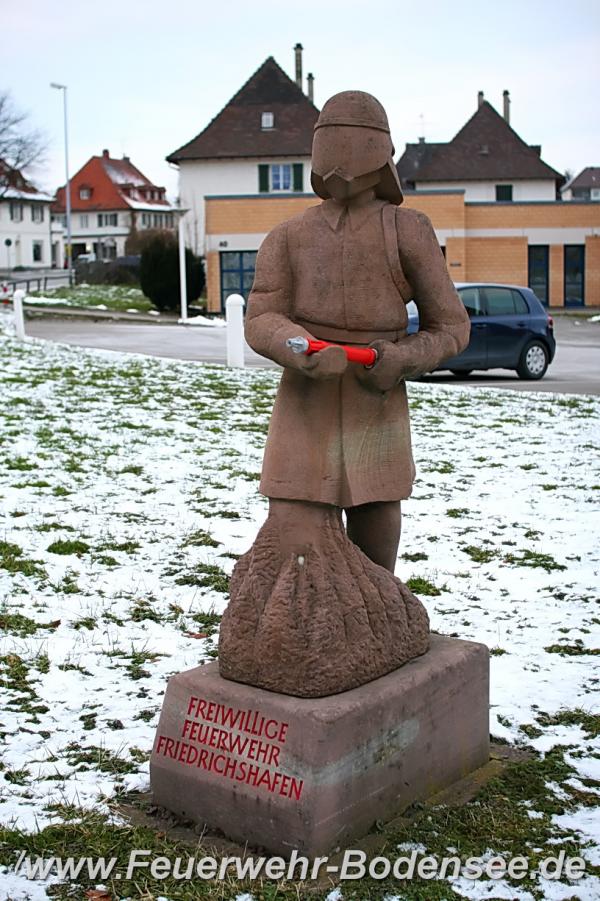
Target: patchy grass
(479,554)
(13,561)
(577,649)
(423,586)
(111,297)
(535,559)
(22,626)
(589,722)
(498,817)
(153,465)
(205,575)
(68,546)
(457,512)
(200,538)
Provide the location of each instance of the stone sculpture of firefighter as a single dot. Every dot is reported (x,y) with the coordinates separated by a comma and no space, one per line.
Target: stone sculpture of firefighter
(315,607)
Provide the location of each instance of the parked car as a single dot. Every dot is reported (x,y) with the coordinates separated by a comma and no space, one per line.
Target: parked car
(510,329)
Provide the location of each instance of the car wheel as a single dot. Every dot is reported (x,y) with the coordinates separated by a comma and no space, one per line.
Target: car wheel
(534,361)
(461,373)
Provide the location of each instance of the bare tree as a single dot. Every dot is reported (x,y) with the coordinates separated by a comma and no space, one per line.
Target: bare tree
(20,144)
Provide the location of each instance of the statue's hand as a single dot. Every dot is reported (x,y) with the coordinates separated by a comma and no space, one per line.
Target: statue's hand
(386,372)
(329,363)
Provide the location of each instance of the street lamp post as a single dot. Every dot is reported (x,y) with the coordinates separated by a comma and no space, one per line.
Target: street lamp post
(63,88)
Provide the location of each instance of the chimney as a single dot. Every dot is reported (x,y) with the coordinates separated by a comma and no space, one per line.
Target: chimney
(479,99)
(298,50)
(311,89)
(105,154)
(506,113)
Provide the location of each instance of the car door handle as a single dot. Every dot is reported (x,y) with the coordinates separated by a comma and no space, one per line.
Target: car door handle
(480,325)
(521,324)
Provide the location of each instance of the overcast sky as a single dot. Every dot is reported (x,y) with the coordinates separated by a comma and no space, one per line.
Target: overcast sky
(145,77)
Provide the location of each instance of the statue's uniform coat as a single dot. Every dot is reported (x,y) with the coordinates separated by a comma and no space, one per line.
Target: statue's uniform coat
(345,275)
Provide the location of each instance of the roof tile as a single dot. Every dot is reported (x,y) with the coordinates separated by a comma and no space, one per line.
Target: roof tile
(115,185)
(587,178)
(236,131)
(486,147)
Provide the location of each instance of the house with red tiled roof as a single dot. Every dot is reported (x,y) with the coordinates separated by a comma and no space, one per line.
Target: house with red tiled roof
(27,237)
(110,200)
(259,144)
(486,159)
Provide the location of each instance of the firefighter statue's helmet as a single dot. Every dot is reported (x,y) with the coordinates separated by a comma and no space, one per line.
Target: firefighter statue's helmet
(352,149)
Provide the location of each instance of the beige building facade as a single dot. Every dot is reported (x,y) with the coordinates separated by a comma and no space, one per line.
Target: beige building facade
(552,246)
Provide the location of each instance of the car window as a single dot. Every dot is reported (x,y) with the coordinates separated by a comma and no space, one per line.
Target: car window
(471,299)
(500,302)
(520,303)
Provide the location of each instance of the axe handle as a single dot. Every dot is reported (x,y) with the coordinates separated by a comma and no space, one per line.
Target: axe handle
(365,355)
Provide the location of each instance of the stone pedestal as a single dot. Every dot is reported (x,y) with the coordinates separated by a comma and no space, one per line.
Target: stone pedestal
(283,773)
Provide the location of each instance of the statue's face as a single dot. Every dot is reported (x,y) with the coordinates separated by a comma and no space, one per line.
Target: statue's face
(348,158)
(353,151)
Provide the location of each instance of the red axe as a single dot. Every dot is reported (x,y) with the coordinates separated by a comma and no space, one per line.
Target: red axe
(365,355)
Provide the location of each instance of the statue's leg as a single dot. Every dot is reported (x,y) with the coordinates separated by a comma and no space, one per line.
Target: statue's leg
(375,529)
(310,612)
(299,524)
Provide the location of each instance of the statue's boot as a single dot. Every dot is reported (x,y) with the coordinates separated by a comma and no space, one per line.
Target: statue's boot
(310,614)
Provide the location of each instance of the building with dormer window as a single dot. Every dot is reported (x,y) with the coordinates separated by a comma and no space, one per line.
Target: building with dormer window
(486,159)
(26,235)
(110,200)
(259,144)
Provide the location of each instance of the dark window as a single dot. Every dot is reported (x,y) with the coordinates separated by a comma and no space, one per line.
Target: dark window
(539,270)
(471,299)
(38,251)
(298,177)
(237,273)
(574,274)
(263,178)
(105,219)
(520,303)
(504,192)
(500,301)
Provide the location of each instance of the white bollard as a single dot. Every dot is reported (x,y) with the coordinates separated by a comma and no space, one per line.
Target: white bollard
(182,272)
(18,297)
(234,315)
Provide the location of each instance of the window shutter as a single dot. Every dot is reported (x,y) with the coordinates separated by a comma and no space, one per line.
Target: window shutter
(263,178)
(298,173)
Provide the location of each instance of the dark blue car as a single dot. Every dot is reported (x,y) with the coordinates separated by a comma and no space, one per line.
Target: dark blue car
(510,329)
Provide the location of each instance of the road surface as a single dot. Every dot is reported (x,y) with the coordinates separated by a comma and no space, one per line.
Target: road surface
(575,369)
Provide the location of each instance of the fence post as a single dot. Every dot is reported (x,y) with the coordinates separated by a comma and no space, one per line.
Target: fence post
(18,314)
(234,315)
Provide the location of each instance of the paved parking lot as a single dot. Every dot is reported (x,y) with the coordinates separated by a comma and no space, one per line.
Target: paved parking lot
(576,367)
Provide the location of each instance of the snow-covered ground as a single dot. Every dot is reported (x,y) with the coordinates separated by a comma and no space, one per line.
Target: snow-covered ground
(129,485)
